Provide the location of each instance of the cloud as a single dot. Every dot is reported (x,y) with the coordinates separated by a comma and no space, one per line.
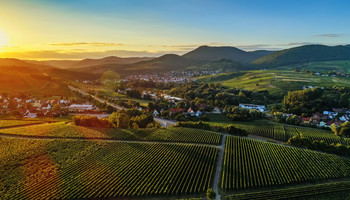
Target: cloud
(298,43)
(192,46)
(330,35)
(86,44)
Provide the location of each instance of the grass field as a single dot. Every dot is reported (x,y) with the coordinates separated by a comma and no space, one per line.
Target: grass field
(33,169)
(173,134)
(251,164)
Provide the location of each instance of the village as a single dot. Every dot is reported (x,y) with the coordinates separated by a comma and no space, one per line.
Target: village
(169,77)
(28,107)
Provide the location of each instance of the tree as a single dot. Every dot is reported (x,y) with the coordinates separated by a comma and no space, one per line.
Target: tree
(344,129)
(299,141)
(335,129)
(123,120)
(56,108)
(211,194)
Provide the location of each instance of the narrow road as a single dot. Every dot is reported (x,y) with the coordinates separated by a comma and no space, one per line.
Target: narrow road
(96,98)
(162,122)
(218,168)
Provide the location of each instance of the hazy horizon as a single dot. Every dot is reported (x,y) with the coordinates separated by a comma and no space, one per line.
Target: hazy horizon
(91,29)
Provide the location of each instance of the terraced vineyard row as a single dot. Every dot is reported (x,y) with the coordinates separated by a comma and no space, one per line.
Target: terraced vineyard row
(275,131)
(62,130)
(11,123)
(249,163)
(319,134)
(75,169)
(180,134)
(269,130)
(339,190)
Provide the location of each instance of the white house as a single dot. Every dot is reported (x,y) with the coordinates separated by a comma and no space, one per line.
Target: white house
(253,107)
(155,113)
(63,101)
(28,114)
(48,107)
(80,107)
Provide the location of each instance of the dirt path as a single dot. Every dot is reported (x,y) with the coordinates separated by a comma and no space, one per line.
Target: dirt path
(218,168)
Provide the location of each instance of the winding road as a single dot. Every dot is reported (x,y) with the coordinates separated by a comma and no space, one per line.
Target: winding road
(161,121)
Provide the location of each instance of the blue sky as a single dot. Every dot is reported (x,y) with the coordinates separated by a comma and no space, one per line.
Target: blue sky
(154,27)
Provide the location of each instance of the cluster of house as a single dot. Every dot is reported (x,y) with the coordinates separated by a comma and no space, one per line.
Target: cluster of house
(168,77)
(252,107)
(325,119)
(88,82)
(188,112)
(305,87)
(32,108)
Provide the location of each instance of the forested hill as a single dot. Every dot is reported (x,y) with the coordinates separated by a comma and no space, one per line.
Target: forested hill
(303,54)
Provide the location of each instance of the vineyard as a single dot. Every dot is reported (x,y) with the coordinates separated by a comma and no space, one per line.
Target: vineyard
(250,163)
(335,191)
(12,123)
(280,131)
(180,134)
(173,134)
(318,134)
(89,170)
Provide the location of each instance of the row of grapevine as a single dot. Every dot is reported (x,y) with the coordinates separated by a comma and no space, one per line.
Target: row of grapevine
(250,163)
(338,190)
(319,134)
(124,170)
(62,130)
(188,135)
(12,123)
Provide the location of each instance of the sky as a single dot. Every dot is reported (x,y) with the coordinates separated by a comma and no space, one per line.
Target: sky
(77,29)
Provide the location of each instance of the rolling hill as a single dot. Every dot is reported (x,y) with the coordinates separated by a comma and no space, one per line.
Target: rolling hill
(207,53)
(35,79)
(303,54)
(163,63)
(221,66)
(10,62)
(109,60)
(70,64)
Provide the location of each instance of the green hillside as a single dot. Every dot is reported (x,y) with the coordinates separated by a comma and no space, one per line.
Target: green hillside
(274,80)
(321,66)
(303,54)
(223,65)
(232,53)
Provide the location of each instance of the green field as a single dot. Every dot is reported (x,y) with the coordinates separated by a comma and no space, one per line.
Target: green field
(172,134)
(251,164)
(88,170)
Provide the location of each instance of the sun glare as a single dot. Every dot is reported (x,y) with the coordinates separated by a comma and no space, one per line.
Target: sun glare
(3,41)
